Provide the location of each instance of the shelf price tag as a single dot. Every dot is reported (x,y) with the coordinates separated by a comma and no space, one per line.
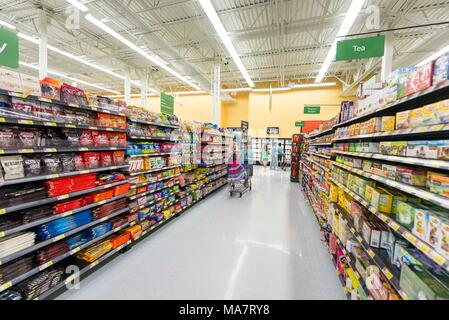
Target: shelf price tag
(50,150)
(25,151)
(25,121)
(387,273)
(371,253)
(75,250)
(60,237)
(2,234)
(359,239)
(438,258)
(50,124)
(6,286)
(46,265)
(63,197)
(2,211)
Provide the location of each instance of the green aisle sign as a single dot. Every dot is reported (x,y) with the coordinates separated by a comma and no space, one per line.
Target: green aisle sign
(167,103)
(9,49)
(312,109)
(360,48)
(299,124)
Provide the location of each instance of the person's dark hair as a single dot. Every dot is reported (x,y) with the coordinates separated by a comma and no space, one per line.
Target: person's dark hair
(280,144)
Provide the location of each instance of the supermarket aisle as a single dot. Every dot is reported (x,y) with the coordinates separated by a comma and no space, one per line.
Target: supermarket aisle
(263,246)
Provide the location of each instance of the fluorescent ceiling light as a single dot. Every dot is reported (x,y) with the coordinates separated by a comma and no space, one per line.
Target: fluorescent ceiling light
(186,92)
(434,56)
(272,89)
(78,4)
(237,90)
(7,25)
(57,74)
(351,15)
(83,61)
(142,52)
(216,22)
(313,85)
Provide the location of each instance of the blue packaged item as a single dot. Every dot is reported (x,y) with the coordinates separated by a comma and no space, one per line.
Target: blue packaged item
(441,69)
(63,225)
(79,239)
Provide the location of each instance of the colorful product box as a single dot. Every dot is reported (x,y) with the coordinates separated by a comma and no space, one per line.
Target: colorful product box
(441,69)
(417,149)
(388,123)
(406,214)
(397,196)
(424,116)
(414,177)
(382,200)
(443,111)
(389,171)
(420,79)
(433,235)
(442,149)
(403,120)
(419,284)
(438,183)
(421,221)
(393,148)
(443,246)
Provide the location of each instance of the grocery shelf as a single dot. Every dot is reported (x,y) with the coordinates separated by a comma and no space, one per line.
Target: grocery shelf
(42,244)
(153,154)
(420,193)
(153,170)
(322,133)
(140,195)
(60,175)
(55,260)
(319,155)
(32,98)
(58,216)
(99,262)
(153,138)
(52,124)
(430,163)
(40,202)
(417,132)
(404,232)
(145,205)
(57,150)
(321,144)
(319,165)
(375,255)
(165,125)
(143,184)
(433,94)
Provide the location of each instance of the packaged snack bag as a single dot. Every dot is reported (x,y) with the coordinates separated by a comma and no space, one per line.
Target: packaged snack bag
(51,88)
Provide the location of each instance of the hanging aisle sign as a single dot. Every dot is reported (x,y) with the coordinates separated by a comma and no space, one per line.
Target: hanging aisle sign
(167,104)
(299,124)
(360,48)
(9,49)
(308,109)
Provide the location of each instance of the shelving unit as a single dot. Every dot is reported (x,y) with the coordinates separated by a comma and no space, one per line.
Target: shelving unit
(341,168)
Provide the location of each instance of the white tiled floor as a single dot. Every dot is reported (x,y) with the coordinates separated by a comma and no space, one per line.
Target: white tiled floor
(265,245)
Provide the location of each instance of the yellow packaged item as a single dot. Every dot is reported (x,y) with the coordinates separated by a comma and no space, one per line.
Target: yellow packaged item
(382,200)
(388,123)
(333,193)
(369,193)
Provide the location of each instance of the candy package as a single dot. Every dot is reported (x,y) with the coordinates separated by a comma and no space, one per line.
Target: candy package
(12,167)
(51,88)
(52,163)
(33,166)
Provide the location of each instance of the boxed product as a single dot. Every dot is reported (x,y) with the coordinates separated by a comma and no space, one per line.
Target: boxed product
(424,116)
(411,176)
(377,168)
(421,221)
(417,149)
(443,111)
(393,148)
(398,245)
(388,123)
(382,200)
(389,171)
(443,245)
(438,183)
(406,213)
(403,120)
(371,234)
(441,69)
(420,79)
(397,196)
(372,147)
(369,191)
(433,235)
(442,149)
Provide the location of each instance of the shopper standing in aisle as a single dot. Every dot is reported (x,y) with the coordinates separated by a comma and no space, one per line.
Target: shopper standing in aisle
(265,156)
(274,156)
(280,152)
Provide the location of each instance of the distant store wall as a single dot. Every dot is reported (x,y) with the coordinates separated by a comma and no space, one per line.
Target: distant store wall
(287,107)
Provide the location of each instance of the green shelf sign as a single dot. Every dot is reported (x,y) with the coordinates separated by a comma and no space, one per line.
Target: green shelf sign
(312,109)
(167,104)
(360,48)
(299,124)
(9,49)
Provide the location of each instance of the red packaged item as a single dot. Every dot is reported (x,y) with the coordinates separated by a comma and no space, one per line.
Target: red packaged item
(73,204)
(79,162)
(91,160)
(103,195)
(132,217)
(420,79)
(121,189)
(118,158)
(100,138)
(73,95)
(122,140)
(104,120)
(86,139)
(106,159)
(50,88)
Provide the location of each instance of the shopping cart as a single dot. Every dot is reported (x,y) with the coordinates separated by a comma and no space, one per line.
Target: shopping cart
(239,178)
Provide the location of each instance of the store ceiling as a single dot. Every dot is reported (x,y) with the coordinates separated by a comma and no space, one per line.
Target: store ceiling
(278,40)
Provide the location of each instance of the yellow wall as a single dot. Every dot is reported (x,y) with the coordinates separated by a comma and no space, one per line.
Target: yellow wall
(233,114)
(288,107)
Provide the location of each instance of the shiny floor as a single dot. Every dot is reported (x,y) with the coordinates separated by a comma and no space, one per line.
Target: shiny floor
(265,245)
